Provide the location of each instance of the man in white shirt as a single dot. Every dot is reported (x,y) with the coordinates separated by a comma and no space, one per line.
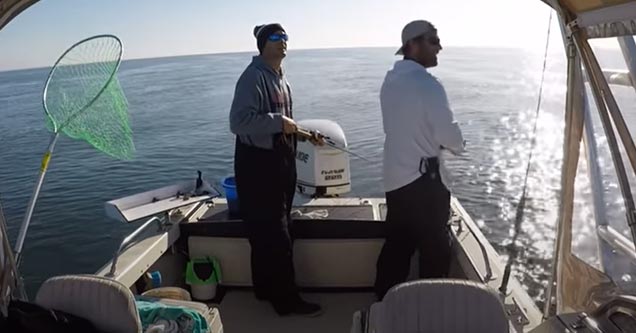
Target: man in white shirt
(418,124)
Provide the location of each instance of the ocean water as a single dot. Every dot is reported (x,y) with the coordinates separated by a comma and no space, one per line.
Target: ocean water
(179,114)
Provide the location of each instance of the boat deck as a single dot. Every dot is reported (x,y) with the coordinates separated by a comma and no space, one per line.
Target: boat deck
(242,312)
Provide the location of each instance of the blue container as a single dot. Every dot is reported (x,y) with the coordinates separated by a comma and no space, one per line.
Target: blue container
(229,186)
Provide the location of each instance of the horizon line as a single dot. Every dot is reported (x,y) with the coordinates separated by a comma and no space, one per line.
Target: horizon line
(253,51)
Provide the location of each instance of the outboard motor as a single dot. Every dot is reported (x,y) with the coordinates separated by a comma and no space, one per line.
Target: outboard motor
(323,171)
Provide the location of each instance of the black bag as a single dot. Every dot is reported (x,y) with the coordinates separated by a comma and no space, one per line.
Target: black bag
(27,317)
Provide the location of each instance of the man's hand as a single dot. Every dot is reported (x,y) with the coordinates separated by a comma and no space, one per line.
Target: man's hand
(289,125)
(317,139)
(314,137)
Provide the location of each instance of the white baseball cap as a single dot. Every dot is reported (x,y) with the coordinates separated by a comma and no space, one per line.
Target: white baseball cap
(414,29)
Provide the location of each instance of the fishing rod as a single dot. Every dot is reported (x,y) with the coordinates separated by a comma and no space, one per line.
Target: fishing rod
(309,134)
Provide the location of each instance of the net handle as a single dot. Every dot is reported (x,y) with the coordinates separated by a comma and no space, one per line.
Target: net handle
(56,129)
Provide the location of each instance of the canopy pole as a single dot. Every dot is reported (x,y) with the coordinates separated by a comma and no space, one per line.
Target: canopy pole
(569,112)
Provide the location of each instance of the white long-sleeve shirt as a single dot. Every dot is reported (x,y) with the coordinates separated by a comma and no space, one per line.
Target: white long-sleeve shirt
(418,122)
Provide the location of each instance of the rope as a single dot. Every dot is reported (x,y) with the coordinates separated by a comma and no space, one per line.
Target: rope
(512,248)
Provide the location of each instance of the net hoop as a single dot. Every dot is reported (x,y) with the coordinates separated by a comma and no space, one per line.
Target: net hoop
(57,127)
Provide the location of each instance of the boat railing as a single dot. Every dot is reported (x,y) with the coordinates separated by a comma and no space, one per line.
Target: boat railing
(489,276)
(129,240)
(617,241)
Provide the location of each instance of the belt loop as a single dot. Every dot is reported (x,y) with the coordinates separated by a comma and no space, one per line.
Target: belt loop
(423,165)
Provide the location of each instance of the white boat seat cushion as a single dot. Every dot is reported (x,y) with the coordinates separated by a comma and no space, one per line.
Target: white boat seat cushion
(438,306)
(108,304)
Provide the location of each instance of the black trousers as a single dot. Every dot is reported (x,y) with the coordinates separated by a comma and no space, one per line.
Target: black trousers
(265,182)
(417,218)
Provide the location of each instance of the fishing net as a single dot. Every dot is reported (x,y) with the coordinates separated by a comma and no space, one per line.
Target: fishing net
(84,100)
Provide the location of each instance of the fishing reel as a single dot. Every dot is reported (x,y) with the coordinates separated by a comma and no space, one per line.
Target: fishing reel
(318,139)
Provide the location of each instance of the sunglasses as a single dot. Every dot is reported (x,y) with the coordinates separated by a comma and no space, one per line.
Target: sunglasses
(433,40)
(278,37)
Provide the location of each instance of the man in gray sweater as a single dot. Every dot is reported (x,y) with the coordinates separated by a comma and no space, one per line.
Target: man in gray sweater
(265,170)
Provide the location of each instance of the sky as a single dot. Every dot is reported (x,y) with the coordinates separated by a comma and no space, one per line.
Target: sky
(159,28)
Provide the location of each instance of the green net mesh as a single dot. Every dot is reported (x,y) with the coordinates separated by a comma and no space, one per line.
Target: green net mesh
(84,100)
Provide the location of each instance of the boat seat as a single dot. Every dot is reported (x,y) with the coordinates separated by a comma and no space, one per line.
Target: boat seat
(441,305)
(107,303)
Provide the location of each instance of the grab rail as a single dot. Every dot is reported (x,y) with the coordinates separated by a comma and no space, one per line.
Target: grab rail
(617,241)
(128,240)
(489,275)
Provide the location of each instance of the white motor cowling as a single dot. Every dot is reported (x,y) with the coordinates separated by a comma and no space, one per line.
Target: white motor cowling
(323,171)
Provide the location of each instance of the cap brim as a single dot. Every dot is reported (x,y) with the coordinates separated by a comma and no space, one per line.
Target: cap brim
(400,51)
